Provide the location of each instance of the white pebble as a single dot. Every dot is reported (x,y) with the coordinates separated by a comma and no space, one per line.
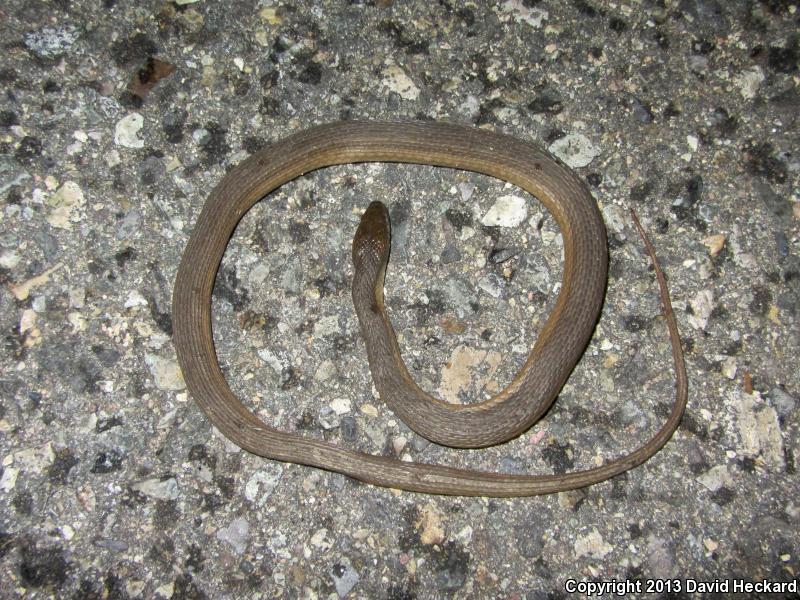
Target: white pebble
(9,259)
(575,149)
(135,298)
(748,82)
(127,130)
(507,211)
(341,406)
(396,80)
(155,488)
(166,373)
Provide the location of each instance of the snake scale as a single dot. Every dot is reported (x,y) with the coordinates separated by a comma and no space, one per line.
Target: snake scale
(557,349)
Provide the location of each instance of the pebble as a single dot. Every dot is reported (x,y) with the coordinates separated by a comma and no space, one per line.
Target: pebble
(327,326)
(783,402)
(702,305)
(77,297)
(511,465)
(345,578)
(396,80)
(523,12)
(271,15)
(465,535)
(134,298)
(11,174)
(398,444)
(715,478)
(156,488)
(201,136)
(8,480)
(236,534)
(575,149)
(262,483)
(34,460)
(258,274)
(369,410)
(116,546)
(341,406)
(349,429)
(420,443)
(134,587)
(629,413)
(457,376)
(471,106)
(613,216)
(429,525)
(466,190)
(698,63)
(781,243)
(507,211)
(39,304)
(450,254)
(9,259)
(492,284)
(453,574)
(748,82)
(166,373)
(458,294)
(529,536)
(376,435)
(641,112)
(292,278)
(327,419)
(50,42)
(759,430)
(714,243)
(660,560)
(592,544)
(728,367)
(126,132)
(27,321)
(65,199)
(320,540)
(325,371)
(129,226)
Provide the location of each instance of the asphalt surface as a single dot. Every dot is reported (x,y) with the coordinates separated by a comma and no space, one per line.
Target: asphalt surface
(117,119)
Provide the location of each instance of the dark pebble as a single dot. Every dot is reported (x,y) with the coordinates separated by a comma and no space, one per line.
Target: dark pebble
(172,124)
(642,112)
(454,567)
(781,243)
(450,253)
(349,429)
(393,101)
(151,170)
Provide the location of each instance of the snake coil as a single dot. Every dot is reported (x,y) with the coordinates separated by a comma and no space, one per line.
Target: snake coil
(557,349)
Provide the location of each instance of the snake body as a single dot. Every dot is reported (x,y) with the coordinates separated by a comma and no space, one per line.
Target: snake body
(557,349)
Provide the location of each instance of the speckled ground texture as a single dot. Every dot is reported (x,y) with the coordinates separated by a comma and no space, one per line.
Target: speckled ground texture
(117,118)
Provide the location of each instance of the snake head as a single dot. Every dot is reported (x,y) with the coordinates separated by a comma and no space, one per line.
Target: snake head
(372,241)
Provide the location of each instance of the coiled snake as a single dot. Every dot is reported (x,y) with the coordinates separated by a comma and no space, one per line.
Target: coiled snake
(557,349)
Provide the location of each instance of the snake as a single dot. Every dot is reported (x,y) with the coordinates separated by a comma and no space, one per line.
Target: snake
(558,347)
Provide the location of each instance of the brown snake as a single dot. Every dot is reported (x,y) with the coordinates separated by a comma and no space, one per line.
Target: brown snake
(557,349)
